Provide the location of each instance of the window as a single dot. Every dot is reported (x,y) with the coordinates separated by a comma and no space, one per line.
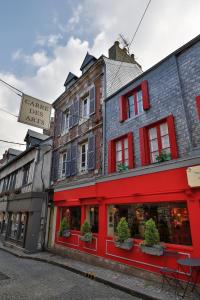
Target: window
(26,170)
(83,157)
(198,106)
(85,109)
(120,153)
(63,160)
(171,219)
(65,122)
(92,216)
(74,216)
(158,141)
(134,102)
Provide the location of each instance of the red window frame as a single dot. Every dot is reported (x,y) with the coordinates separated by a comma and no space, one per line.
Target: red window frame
(112,152)
(123,101)
(144,140)
(198,106)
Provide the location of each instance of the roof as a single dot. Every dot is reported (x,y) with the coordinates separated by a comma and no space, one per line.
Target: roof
(88,58)
(174,53)
(36,135)
(14,151)
(70,77)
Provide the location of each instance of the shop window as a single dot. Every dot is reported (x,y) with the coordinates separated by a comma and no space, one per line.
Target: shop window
(158,141)
(172,220)
(74,216)
(134,102)
(14,221)
(92,216)
(120,153)
(3,222)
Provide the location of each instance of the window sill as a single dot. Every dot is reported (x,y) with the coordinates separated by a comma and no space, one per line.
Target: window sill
(133,118)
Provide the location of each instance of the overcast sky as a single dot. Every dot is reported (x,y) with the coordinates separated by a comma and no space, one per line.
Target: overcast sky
(41,41)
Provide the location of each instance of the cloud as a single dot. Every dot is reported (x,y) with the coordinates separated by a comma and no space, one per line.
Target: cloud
(74,20)
(50,40)
(37,59)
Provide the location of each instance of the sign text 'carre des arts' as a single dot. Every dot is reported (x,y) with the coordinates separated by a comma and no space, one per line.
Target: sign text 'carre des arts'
(34,112)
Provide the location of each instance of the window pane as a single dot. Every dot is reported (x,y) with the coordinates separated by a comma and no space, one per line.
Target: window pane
(139,102)
(119,156)
(171,219)
(165,141)
(126,154)
(126,143)
(152,133)
(119,146)
(154,145)
(73,214)
(153,156)
(163,129)
(131,111)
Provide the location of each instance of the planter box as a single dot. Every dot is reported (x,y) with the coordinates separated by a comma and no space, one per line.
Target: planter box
(66,233)
(86,238)
(155,250)
(126,245)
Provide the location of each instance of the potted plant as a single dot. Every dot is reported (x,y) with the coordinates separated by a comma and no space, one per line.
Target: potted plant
(86,232)
(163,157)
(64,227)
(122,168)
(123,239)
(151,244)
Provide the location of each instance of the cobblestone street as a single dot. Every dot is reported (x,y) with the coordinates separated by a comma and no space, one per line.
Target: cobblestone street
(29,279)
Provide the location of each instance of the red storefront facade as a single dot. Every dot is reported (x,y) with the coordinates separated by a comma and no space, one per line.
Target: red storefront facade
(160,191)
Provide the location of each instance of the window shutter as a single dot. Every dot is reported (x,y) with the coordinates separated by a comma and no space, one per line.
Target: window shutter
(172,137)
(145,95)
(71,113)
(198,105)
(58,122)
(92,94)
(76,112)
(122,108)
(144,151)
(111,156)
(130,151)
(73,159)
(68,162)
(91,152)
(55,165)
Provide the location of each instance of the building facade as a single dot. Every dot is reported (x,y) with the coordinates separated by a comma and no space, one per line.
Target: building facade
(24,183)
(152,147)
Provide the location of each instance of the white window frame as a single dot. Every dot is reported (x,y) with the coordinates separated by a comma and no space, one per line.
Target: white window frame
(84,118)
(83,169)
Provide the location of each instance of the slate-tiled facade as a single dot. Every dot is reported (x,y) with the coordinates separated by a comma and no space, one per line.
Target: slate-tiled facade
(173,85)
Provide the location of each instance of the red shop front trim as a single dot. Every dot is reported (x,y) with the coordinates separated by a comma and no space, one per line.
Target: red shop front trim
(166,186)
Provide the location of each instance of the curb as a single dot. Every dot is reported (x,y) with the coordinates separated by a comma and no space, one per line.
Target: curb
(85,274)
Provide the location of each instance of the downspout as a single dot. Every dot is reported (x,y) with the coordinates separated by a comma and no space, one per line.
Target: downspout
(104,119)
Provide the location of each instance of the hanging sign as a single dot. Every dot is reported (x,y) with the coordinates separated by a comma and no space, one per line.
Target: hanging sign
(34,112)
(193,176)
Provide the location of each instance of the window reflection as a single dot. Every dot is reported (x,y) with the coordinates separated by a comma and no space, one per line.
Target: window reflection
(73,214)
(171,219)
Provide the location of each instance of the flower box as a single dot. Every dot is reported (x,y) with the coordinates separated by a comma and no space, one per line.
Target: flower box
(154,250)
(126,245)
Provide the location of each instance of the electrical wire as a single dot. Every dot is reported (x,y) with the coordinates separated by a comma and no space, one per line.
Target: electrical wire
(117,72)
(11,87)
(7,112)
(15,143)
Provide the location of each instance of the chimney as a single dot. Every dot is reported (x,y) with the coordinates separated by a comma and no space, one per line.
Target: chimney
(119,54)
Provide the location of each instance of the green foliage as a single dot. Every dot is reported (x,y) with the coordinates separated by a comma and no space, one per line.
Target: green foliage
(123,232)
(64,225)
(163,157)
(151,234)
(85,228)
(122,168)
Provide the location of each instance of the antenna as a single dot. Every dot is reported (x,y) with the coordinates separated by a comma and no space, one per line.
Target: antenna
(125,42)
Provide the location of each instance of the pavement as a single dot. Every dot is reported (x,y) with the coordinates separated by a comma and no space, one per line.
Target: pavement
(135,286)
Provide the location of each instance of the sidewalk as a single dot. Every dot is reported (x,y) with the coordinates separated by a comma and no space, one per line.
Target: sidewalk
(142,288)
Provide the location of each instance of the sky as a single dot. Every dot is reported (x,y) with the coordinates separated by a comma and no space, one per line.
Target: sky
(42,41)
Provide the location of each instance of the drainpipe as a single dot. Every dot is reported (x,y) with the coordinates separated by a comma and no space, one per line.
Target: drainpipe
(104,120)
